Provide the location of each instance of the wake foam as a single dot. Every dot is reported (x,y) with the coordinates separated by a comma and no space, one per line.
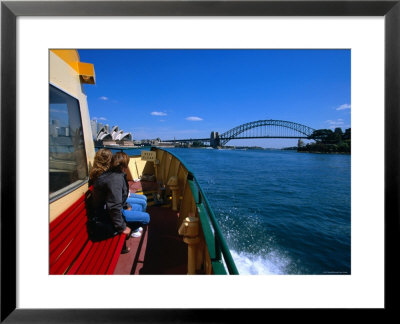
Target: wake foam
(250,264)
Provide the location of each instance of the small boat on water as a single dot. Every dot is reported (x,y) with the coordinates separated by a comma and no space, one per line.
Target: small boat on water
(183,236)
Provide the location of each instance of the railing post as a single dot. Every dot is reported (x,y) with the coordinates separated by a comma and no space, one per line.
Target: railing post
(190,231)
(173,185)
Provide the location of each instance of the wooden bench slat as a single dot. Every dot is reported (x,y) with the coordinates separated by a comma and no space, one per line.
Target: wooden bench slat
(72,252)
(97,246)
(69,219)
(60,218)
(116,254)
(86,260)
(102,269)
(58,246)
(98,257)
(64,260)
(78,262)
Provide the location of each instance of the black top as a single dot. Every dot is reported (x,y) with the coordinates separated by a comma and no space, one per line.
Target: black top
(110,192)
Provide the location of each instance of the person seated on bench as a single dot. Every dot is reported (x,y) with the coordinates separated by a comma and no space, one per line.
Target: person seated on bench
(101,164)
(105,199)
(118,169)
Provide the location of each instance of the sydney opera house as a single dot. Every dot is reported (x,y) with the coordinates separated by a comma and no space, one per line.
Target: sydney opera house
(103,135)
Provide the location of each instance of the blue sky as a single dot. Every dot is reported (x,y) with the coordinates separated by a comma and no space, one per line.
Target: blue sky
(189,93)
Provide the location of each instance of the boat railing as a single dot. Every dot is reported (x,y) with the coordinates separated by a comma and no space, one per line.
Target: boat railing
(220,255)
(219,252)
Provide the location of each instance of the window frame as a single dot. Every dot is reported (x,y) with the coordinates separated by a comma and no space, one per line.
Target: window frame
(76,184)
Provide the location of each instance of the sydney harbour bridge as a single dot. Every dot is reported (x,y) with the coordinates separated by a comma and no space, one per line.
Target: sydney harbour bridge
(256,129)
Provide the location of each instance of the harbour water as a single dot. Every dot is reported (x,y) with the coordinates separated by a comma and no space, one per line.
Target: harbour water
(281,212)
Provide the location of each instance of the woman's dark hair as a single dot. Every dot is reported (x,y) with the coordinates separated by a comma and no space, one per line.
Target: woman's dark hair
(119,161)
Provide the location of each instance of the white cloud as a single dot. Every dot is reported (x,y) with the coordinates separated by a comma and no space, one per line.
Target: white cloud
(158,113)
(337,123)
(343,107)
(103,98)
(99,118)
(193,118)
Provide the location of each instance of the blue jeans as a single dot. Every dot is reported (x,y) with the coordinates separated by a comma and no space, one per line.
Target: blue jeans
(137,217)
(136,207)
(134,195)
(137,201)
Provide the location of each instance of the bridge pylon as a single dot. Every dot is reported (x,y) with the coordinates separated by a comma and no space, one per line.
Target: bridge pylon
(215,140)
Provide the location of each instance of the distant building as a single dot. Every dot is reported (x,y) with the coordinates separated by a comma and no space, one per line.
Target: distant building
(54,127)
(64,131)
(93,126)
(117,136)
(56,130)
(103,135)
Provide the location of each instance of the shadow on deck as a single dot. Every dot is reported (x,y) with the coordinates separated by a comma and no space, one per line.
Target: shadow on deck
(160,250)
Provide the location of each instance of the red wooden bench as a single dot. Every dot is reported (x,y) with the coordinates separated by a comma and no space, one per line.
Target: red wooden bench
(71,250)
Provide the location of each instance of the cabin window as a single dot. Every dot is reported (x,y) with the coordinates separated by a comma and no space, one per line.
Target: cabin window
(67,164)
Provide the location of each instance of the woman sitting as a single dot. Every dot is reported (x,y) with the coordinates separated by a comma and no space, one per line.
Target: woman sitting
(107,200)
(133,214)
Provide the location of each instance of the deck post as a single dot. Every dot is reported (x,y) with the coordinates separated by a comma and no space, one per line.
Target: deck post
(173,185)
(190,231)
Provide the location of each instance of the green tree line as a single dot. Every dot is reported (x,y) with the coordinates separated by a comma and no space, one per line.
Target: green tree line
(328,141)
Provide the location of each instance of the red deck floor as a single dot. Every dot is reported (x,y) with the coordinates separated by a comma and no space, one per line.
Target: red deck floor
(160,250)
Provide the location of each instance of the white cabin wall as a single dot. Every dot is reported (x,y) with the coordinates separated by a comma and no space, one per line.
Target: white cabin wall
(67,79)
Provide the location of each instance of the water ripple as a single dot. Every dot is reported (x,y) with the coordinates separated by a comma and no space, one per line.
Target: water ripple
(281,212)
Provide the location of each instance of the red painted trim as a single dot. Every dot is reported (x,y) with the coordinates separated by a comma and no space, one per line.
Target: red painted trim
(61,261)
(68,220)
(70,247)
(59,244)
(97,246)
(70,230)
(78,262)
(116,255)
(105,261)
(61,217)
(87,259)
(98,257)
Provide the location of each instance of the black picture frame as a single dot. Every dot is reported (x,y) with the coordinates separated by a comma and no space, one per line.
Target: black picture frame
(10,10)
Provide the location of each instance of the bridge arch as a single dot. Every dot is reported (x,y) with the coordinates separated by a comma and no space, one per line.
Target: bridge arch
(292,130)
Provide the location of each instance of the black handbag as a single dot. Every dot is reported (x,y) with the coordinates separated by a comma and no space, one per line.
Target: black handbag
(100,229)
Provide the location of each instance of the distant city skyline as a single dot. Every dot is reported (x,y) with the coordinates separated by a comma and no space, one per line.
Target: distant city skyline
(190,93)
